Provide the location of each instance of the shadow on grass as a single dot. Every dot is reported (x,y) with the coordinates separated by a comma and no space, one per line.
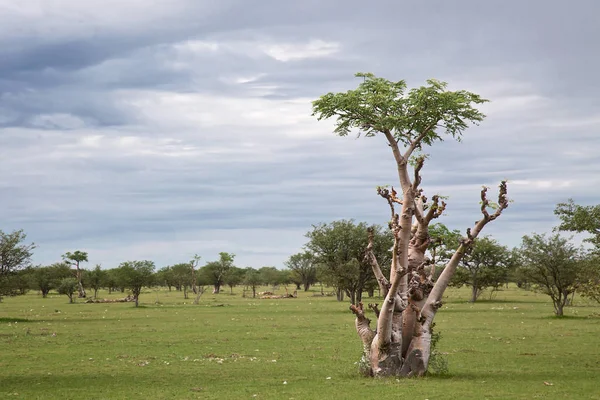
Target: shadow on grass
(13,320)
(501,301)
(564,317)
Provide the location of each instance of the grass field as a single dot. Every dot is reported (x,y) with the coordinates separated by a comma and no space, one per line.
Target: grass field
(230,347)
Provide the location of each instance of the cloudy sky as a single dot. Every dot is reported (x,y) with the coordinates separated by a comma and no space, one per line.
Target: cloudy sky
(137,129)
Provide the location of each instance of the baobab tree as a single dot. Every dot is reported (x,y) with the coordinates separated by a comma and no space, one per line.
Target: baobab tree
(408,120)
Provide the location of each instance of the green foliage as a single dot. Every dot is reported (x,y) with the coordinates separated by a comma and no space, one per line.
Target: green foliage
(96,279)
(271,276)
(339,248)
(47,278)
(214,272)
(233,277)
(76,257)
(303,269)
(67,286)
(182,276)
(576,218)
(134,275)
(438,361)
(252,279)
(444,243)
(588,281)
(486,266)
(378,105)
(553,265)
(15,254)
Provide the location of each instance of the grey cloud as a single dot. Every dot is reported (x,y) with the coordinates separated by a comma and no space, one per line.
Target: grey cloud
(105,154)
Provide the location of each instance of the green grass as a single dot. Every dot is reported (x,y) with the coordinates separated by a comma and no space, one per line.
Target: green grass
(501,349)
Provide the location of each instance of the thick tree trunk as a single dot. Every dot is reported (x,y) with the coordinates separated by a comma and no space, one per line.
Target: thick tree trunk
(401,344)
(306,287)
(217,289)
(339,293)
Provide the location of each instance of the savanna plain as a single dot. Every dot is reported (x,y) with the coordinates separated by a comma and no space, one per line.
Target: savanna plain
(231,347)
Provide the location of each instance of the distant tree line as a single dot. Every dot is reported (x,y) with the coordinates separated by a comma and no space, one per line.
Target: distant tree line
(334,256)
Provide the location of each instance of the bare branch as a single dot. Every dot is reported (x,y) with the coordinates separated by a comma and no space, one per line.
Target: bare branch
(419,209)
(375,308)
(466,243)
(362,324)
(384,284)
(418,167)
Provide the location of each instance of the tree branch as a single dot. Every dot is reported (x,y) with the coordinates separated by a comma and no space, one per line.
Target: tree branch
(362,324)
(418,167)
(417,141)
(401,161)
(384,284)
(444,279)
(375,309)
(435,209)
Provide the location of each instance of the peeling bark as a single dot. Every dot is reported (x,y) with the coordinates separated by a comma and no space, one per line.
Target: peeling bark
(401,344)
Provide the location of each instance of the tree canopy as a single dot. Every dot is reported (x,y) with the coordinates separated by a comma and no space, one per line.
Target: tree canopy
(413,117)
(134,275)
(552,264)
(15,254)
(577,218)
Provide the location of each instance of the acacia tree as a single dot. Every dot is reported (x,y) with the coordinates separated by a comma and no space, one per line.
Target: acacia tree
(214,271)
(577,218)
(14,255)
(182,275)
(408,120)
(485,266)
(96,279)
(588,281)
(47,278)
(67,286)
(340,248)
(553,266)
(303,269)
(135,275)
(75,259)
(252,279)
(233,277)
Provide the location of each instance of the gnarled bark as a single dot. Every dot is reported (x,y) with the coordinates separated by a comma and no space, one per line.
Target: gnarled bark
(401,344)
